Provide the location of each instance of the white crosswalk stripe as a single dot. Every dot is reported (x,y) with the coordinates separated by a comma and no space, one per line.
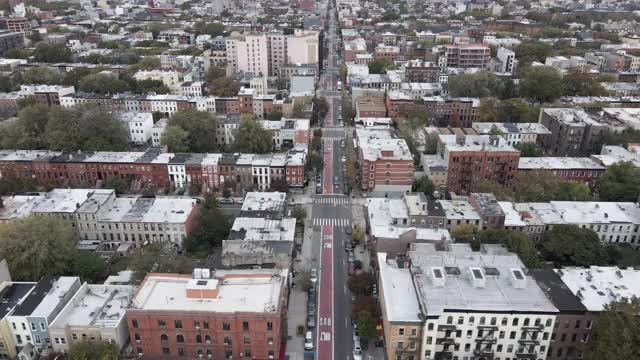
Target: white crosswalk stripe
(332,222)
(332,138)
(331,200)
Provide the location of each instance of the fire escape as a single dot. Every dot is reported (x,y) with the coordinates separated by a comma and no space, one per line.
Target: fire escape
(447,342)
(484,342)
(528,342)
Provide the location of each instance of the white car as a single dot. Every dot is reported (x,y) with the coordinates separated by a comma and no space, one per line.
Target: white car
(308,341)
(314,275)
(344,158)
(357,350)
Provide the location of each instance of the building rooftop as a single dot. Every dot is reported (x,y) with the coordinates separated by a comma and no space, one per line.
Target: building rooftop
(556,290)
(98,306)
(149,210)
(612,154)
(18,206)
(263,229)
(459,210)
(46,296)
(128,117)
(598,286)
(11,293)
(484,128)
(587,212)
(264,201)
(459,279)
(378,144)
(243,291)
(400,299)
(62,200)
(553,163)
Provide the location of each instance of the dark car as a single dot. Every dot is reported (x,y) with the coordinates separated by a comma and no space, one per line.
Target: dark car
(318,189)
(347,245)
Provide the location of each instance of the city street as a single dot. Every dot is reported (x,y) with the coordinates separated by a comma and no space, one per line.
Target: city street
(331,218)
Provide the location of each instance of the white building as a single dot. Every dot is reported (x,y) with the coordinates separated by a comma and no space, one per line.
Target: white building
(514,133)
(478,304)
(559,63)
(156,132)
(507,60)
(140,126)
(169,78)
(95,312)
(260,169)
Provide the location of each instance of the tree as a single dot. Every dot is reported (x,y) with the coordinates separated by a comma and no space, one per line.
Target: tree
(41,75)
(543,186)
(366,325)
(542,83)
(73,76)
(423,185)
(481,84)
(517,111)
(577,83)
(314,161)
(52,53)
(515,241)
(224,86)
(102,84)
(570,245)
(87,265)
(117,183)
(208,28)
(300,214)
(528,52)
(406,133)
(148,86)
(85,127)
(495,131)
(273,116)
(279,184)
(15,53)
(501,192)
(157,257)
(529,149)
(347,108)
(251,137)
(380,66)
(487,110)
(431,143)
(36,246)
(621,182)
(214,73)
(361,284)
(10,184)
(357,234)
(94,350)
(464,233)
(175,139)
(7,84)
(342,72)
(213,227)
(200,127)
(615,333)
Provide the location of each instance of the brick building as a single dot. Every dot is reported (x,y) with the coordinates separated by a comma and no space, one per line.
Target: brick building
(452,112)
(421,71)
(490,211)
(464,56)
(399,104)
(371,107)
(220,314)
(385,161)
(17,24)
(472,159)
(580,169)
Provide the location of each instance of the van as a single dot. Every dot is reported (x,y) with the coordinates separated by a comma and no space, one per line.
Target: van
(308,341)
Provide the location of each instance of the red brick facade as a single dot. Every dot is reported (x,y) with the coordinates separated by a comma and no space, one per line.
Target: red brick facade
(467,168)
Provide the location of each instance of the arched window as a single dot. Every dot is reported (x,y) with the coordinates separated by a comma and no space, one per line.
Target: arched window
(207,339)
(180,338)
(164,338)
(482,320)
(450,320)
(199,338)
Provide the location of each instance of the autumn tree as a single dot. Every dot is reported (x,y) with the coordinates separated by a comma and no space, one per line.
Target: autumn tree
(251,137)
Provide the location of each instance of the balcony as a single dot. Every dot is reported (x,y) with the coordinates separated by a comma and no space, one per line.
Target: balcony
(523,355)
(447,327)
(483,354)
(443,355)
(528,342)
(445,341)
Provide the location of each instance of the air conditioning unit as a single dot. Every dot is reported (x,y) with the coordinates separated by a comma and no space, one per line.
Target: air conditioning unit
(140,354)
(137,341)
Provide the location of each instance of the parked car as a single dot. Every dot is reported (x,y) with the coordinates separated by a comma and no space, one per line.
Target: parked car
(319,189)
(348,231)
(314,275)
(342,143)
(344,158)
(357,350)
(347,245)
(225,201)
(308,341)
(351,257)
(311,322)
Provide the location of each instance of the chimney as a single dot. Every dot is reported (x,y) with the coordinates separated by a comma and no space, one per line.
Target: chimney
(518,279)
(438,276)
(460,139)
(477,277)
(494,140)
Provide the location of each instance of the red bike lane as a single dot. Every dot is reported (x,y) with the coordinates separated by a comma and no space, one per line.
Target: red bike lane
(328,168)
(325,302)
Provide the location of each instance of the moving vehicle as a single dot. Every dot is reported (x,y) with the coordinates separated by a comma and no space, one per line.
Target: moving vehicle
(308,341)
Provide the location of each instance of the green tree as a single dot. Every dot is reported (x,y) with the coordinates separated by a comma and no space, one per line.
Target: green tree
(528,52)
(157,257)
(200,127)
(147,86)
(87,265)
(342,72)
(465,233)
(273,116)
(357,234)
(615,334)
(94,350)
(347,108)
(621,182)
(495,130)
(73,76)
(515,241)
(481,84)
(224,86)
(314,161)
(361,284)
(366,325)
(517,111)
(208,28)
(7,84)
(51,53)
(41,75)
(423,185)
(529,149)
(300,214)
(102,84)
(542,83)
(175,139)
(36,246)
(213,227)
(487,110)
(570,245)
(117,183)
(10,184)
(381,66)
(16,53)
(215,73)
(251,137)
(542,186)
(577,83)
(279,184)
(431,143)
(85,127)
(406,133)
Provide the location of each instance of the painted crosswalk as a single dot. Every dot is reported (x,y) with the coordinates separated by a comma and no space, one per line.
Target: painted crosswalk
(332,138)
(331,222)
(331,200)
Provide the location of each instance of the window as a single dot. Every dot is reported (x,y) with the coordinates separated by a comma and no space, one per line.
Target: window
(245,325)
(207,339)
(269,326)
(247,353)
(161,323)
(205,324)
(134,324)
(226,326)
(180,338)
(401,331)
(164,338)
(166,351)
(137,337)
(178,324)
(196,324)
(247,340)
(227,340)
(199,339)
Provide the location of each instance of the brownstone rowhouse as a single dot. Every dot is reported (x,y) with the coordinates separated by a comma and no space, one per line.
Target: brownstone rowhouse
(211,315)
